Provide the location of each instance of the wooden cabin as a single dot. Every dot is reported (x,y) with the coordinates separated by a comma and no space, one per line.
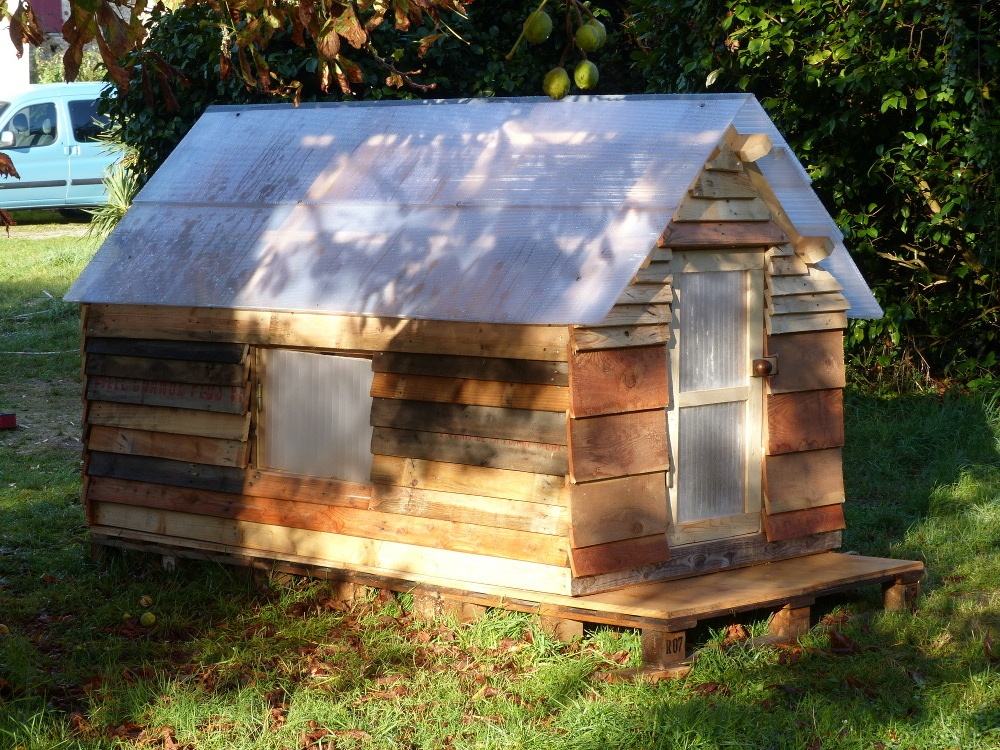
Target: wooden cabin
(489,345)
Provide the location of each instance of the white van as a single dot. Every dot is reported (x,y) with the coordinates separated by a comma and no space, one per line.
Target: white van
(50,132)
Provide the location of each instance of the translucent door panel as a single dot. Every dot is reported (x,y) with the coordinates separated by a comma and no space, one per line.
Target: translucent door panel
(714,423)
(316,413)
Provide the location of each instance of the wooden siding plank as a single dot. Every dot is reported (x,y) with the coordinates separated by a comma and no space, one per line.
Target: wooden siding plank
(723,184)
(480,421)
(787,266)
(472,392)
(815,282)
(536,458)
(654,272)
(545,549)
(190,448)
(470,509)
(709,209)
(175,371)
(807,361)
(618,380)
(230,399)
(696,559)
(337,550)
(799,523)
(473,368)
(723,234)
(166,471)
(470,480)
(615,556)
(807,304)
(281,486)
(616,509)
(795,323)
(646,294)
(184,350)
(805,421)
(617,445)
(167,419)
(635,315)
(328,332)
(593,339)
(807,479)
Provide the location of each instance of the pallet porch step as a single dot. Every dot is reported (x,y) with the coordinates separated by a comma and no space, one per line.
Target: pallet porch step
(663,610)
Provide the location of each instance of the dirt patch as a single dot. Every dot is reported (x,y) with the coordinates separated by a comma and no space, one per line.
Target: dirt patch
(48,412)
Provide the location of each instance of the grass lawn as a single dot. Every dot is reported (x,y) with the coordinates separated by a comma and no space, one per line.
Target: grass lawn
(235,663)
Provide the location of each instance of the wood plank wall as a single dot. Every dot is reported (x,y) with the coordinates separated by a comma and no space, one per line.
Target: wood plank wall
(468,476)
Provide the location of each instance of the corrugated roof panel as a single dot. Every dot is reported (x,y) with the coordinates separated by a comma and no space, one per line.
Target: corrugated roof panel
(509,211)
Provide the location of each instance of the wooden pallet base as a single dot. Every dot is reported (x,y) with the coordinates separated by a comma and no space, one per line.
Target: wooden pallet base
(663,611)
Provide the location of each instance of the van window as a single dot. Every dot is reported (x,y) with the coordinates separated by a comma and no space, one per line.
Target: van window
(87,123)
(34,125)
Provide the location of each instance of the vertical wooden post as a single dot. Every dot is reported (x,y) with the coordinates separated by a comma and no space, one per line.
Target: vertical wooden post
(662,650)
(789,622)
(562,629)
(900,595)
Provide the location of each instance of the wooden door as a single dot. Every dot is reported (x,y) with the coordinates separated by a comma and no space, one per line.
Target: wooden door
(715,420)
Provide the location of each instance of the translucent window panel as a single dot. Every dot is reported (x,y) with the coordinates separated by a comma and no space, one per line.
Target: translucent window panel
(713,322)
(711,461)
(316,413)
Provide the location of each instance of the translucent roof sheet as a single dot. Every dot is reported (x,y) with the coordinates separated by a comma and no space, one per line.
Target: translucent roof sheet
(495,210)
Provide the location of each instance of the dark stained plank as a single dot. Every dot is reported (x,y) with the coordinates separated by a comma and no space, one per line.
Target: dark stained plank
(800,523)
(621,555)
(230,399)
(805,421)
(612,381)
(165,471)
(617,445)
(723,234)
(807,361)
(199,351)
(177,371)
(462,419)
(473,368)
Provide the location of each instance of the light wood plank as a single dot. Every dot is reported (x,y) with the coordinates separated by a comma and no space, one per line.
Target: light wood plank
(635,315)
(799,523)
(470,509)
(281,486)
(617,445)
(147,368)
(470,480)
(472,392)
(741,524)
(183,350)
(796,323)
(725,161)
(654,272)
(480,421)
(191,448)
(707,209)
(338,550)
(535,458)
(329,332)
(545,549)
(621,555)
(807,361)
(230,399)
(593,339)
(616,509)
(779,266)
(805,421)
(646,294)
(807,479)
(813,249)
(723,184)
(814,282)
(166,419)
(618,380)
(473,368)
(807,304)
(751,147)
(696,261)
